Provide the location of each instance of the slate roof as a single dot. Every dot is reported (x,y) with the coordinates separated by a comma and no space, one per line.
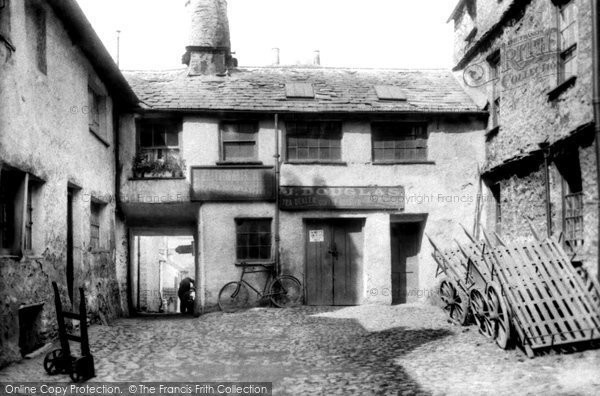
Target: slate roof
(262,89)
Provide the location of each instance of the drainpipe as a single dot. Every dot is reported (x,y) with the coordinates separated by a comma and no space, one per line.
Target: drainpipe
(277,181)
(596,104)
(545,149)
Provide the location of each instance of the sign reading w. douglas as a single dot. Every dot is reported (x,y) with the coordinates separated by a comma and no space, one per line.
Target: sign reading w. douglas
(334,197)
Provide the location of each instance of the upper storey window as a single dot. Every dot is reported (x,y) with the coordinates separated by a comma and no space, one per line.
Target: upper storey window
(239,141)
(158,138)
(567,26)
(314,141)
(399,142)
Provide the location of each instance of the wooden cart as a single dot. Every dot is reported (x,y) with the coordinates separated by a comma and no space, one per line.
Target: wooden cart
(466,268)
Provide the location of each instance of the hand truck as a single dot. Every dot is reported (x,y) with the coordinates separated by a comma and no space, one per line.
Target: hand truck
(60,361)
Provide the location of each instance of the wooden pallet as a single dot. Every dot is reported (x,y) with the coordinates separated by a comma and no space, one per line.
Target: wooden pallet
(551,303)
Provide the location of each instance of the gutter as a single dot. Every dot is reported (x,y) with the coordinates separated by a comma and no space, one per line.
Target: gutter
(596,104)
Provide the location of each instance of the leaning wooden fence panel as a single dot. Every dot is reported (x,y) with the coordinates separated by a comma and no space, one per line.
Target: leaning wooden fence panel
(550,302)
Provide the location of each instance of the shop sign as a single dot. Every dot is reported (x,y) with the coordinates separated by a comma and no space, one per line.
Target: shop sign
(341,197)
(233,183)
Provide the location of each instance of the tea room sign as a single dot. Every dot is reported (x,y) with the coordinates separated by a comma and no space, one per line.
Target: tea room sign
(341,197)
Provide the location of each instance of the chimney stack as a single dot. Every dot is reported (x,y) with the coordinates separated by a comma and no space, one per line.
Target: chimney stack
(276,56)
(209,48)
(317,58)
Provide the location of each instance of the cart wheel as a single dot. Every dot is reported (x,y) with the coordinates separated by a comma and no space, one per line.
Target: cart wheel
(456,303)
(479,307)
(53,362)
(499,314)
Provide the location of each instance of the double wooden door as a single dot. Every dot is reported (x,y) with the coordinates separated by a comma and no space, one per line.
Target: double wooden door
(334,250)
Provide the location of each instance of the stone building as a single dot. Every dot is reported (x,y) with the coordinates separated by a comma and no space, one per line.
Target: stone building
(530,63)
(370,161)
(60,97)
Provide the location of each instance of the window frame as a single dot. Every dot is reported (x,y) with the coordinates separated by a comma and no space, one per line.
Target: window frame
(156,152)
(253,126)
(97,106)
(395,128)
(328,131)
(96,211)
(24,214)
(494,62)
(238,223)
(567,53)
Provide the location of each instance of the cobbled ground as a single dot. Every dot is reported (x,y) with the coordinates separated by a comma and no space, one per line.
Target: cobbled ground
(366,350)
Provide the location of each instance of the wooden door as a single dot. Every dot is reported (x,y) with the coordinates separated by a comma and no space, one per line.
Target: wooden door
(334,262)
(405,238)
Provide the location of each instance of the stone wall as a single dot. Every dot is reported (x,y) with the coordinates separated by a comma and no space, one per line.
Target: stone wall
(44,131)
(530,116)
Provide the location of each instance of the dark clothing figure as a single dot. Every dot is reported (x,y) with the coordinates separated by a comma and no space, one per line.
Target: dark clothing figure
(187,294)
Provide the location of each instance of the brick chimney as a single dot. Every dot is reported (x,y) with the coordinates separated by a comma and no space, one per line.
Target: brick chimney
(209,49)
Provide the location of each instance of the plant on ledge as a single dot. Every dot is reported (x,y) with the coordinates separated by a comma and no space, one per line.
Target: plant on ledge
(170,166)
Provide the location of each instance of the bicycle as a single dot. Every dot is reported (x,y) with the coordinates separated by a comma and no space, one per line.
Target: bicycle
(284,290)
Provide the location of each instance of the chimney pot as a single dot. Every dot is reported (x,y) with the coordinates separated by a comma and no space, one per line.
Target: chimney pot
(209,49)
(276,56)
(317,58)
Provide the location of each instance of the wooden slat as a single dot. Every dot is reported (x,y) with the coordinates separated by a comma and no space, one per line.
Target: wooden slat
(547,296)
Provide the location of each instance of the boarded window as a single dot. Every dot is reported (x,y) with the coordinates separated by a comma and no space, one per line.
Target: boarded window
(399,142)
(567,25)
(253,239)
(314,141)
(569,166)
(239,141)
(95,224)
(159,137)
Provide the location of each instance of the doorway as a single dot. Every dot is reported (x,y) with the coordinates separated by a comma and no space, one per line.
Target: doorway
(405,240)
(334,251)
(160,263)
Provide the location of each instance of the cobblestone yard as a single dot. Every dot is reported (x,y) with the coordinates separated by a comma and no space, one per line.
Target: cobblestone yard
(409,349)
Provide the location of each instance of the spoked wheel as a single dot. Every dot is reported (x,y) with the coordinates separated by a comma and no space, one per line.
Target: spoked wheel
(233,297)
(53,362)
(456,303)
(498,314)
(286,291)
(479,306)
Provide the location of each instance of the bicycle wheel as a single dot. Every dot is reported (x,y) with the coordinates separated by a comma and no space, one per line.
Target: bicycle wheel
(233,297)
(286,291)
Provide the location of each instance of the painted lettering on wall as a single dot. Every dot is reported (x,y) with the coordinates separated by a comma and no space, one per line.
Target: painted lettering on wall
(341,197)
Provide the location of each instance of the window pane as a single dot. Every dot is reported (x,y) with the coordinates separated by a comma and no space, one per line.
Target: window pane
(159,137)
(172,138)
(238,151)
(146,138)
